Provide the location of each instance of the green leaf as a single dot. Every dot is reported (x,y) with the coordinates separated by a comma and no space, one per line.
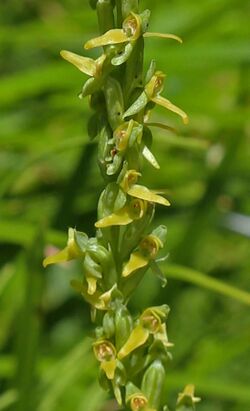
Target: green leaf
(7,399)
(203,280)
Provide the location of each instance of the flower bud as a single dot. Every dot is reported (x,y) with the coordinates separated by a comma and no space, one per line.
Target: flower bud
(114,101)
(123,326)
(153,383)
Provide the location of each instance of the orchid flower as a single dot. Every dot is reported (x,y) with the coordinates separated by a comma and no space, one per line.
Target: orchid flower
(151,92)
(105,352)
(133,27)
(130,187)
(75,248)
(148,249)
(149,323)
(133,211)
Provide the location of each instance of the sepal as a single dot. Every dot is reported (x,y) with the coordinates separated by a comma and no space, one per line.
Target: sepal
(86,65)
(163,36)
(70,252)
(138,337)
(170,106)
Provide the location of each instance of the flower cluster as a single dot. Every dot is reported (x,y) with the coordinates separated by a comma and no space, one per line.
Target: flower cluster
(132,352)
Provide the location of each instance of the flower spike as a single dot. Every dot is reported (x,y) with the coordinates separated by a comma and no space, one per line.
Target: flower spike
(132,351)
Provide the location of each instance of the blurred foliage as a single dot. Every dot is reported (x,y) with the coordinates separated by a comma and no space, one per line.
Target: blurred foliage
(50,180)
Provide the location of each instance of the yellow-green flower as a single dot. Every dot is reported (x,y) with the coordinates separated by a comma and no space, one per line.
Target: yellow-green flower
(105,352)
(70,252)
(136,399)
(187,397)
(133,211)
(128,184)
(98,300)
(152,92)
(148,249)
(130,32)
(127,134)
(149,323)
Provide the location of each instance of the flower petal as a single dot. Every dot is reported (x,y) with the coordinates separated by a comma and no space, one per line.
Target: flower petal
(145,194)
(84,64)
(70,252)
(163,36)
(138,337)
(109,368)
(168,105)
(114,36)
(91,284)
(161,125)
(130,178)
(123,56)
(121,217)
(162,336)
(157,271)
(135,262)
(61,257)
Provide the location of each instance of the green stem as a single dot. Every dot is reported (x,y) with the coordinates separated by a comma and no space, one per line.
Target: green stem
(105,15)
(119,13)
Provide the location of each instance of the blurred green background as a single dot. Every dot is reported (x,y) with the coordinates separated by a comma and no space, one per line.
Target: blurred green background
(49,181)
